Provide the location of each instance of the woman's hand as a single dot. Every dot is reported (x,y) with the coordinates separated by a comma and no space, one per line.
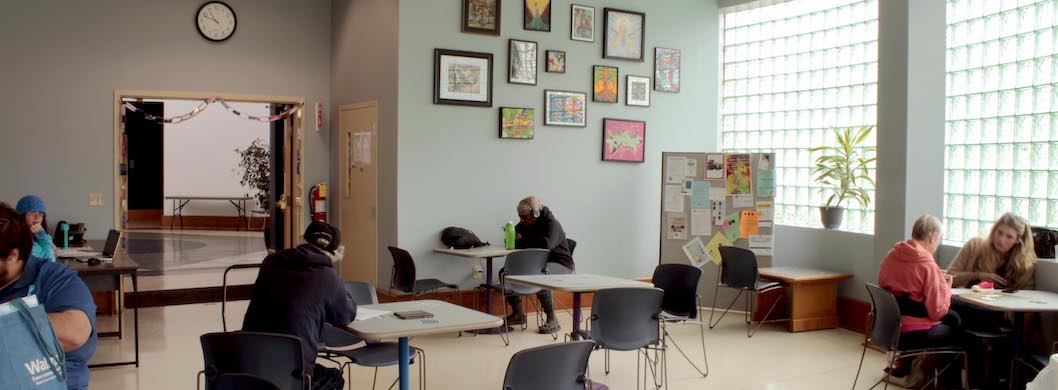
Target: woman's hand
(35,228)
(949,279)
(991,277)
(517,236)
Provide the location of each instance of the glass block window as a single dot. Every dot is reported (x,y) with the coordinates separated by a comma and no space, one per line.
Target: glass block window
(1001,114)
(790,72)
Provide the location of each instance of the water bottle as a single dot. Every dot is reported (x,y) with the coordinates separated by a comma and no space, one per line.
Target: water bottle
(65,235)
(508,236)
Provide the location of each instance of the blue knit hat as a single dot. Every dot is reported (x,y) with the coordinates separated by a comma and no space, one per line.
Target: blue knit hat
(30,203)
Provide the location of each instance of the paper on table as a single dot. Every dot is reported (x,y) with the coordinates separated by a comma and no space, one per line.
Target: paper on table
(675,170)
(766,183)
(713,247)
(749,224)
(714,166)
(673,199)
(363,313)
(731,227)
(676,224)
(741,201)
(84,251)
(695,251)
(700,194)
(692,168)
(700,219)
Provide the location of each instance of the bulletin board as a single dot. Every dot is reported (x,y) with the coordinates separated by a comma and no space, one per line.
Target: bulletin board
(712,199)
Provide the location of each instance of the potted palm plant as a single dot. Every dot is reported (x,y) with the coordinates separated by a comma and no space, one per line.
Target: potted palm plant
(843,170)
(256,169)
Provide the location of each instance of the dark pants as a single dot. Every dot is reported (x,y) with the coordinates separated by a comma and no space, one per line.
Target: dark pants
(988,349)
(544,296)
(326,378)
(945,334)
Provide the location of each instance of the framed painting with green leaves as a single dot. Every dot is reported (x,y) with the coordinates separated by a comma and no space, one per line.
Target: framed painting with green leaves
(517,123)
(604,84)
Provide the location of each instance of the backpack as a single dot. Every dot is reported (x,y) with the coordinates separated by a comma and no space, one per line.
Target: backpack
(1044,240)
(459,238)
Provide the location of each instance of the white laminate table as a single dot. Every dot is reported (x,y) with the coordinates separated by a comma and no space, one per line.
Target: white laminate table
(446,318)
(487,253)
(1017,303)
(576,284)
(179,201)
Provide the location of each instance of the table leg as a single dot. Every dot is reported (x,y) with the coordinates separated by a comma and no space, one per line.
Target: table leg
(136,316)
(488,302)
(120,308)
(575,335)
(403,355)
(1015,366)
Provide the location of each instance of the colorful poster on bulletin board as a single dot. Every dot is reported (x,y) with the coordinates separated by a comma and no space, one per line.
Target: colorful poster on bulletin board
(739,178)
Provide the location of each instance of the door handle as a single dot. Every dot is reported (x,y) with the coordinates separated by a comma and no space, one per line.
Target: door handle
(282,203)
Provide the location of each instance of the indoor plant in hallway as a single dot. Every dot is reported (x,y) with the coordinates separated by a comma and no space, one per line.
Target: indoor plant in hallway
(256,170)
(843,170)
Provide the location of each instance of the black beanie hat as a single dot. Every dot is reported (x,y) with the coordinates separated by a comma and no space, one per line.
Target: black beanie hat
(323,236)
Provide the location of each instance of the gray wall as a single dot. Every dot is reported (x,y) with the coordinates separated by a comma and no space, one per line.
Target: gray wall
(63,61)
(364,67)
(454,170)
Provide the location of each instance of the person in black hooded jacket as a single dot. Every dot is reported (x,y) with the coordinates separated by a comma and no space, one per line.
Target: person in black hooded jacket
(297,291)
(538,228)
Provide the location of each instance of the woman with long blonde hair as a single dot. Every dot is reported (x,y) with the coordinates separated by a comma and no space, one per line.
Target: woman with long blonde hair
(1006,257)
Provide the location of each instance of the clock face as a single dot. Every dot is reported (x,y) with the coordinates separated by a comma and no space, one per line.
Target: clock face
(216,21)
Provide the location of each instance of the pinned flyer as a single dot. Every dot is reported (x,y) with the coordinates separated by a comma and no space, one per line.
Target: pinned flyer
(765,162)
(675,170)
(767,213)
(761,245)
(700,225)
(692,168)
(677,226)
(748,226)
(714,166)
(731,227)
(713,247)
(696,253)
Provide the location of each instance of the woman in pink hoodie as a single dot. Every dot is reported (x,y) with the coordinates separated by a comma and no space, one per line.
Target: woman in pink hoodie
(923,292)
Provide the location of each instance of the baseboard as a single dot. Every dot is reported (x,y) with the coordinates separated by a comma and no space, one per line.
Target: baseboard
(145,215)
(186,296)
(852,314)
(212,222)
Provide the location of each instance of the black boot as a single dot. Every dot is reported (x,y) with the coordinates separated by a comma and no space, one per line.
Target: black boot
(517,316)
(551,325)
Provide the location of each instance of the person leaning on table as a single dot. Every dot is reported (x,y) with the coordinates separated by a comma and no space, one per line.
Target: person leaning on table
(64,295)
(538,228)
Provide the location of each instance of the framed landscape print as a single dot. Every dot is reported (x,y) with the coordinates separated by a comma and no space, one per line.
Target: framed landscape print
(564,108)
(582,23)
(517,123)
(462,78)
(481,16)
(623,34)
(666,70)
(556,61)
(637,91)
(537,15)
(522,69)
(623,140)
(604,84)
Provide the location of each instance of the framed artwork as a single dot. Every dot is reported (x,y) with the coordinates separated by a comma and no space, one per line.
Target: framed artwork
(462,78)
(623,140)
(537,15)
(522,56)
(666,70)
(623,35)
(556,61)
(517,123)
(637,91)
(564,108)
(604,84)
(481,16)
(582,23)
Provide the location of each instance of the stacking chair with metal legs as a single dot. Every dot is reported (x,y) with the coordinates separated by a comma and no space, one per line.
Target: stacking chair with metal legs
(272,358)
(520,263)
(403,277)
(552,367)
(338,343)
(628,319)
(884,331)
(738,270)
(681,304)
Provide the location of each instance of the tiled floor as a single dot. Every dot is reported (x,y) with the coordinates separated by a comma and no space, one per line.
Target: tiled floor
(190,251)
(773,359)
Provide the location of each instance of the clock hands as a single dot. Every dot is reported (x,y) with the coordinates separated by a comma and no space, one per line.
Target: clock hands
(211,17)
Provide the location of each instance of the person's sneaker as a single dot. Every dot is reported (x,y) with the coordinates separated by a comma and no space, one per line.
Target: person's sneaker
(516,319)
(550,327)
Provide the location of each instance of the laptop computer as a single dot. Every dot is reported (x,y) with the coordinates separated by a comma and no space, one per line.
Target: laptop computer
(112,244)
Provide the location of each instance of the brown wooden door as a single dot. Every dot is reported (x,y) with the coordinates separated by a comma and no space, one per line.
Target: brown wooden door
(358,190)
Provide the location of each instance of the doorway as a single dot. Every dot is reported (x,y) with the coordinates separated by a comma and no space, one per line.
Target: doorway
(146,153)
(358,186)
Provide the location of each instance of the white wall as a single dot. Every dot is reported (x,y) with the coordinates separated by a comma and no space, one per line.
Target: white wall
(63,60)
(455,171)
(200,158)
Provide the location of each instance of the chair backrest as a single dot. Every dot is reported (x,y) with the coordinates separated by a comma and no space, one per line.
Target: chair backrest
(738,267)
(572,245)
(552,367)
(240,382)
(885,328)
(362,293)
(680,283)
(525,262)
(275,358)
(403,270)
(625,319)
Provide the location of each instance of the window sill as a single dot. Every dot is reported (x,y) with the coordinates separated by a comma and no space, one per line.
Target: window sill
(806,229)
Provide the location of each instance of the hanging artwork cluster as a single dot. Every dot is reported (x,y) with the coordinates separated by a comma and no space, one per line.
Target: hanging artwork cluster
(465,78)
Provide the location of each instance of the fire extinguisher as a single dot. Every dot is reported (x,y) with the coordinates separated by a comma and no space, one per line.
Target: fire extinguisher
(318,205)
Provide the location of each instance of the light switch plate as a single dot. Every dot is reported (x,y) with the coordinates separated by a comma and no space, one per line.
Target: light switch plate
(95,200)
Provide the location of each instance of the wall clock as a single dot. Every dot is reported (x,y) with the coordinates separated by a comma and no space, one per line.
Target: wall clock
(216,21)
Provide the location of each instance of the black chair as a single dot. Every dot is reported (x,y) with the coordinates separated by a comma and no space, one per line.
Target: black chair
(738,270)
(628,319)
(338,343)
(520,263)
(884,331)
(572,245)
(681,304)
(275,358)
(242,382)
(403,277)
(552,367)
(224,292)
